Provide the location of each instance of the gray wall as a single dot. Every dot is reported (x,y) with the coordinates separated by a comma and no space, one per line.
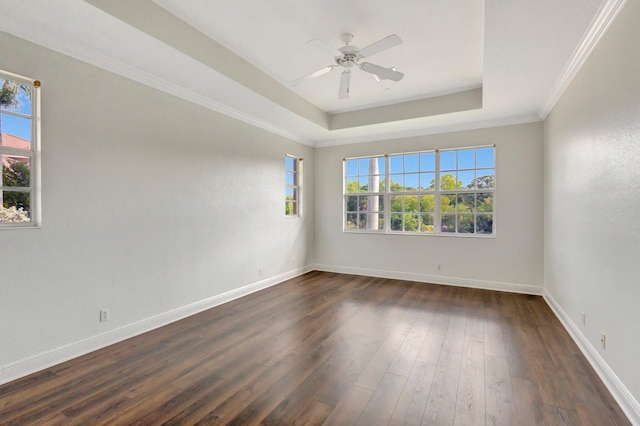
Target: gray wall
(510,261)
(150,204)
(592,199)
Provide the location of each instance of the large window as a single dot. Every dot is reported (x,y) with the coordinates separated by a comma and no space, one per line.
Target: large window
(19,151)
(293,180)
(430,192)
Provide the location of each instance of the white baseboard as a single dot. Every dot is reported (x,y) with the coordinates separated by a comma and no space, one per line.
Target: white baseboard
(56,356)
(618,390)
(433,279)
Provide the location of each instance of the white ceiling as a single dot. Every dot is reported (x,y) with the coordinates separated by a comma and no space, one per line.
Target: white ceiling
(522,53)
(441,51)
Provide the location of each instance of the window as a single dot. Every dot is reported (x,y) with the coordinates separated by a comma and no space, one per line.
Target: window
(364,204)
(430,192)
(293,180)
(19,151)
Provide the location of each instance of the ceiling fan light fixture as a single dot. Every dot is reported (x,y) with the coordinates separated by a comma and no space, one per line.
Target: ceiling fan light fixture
(348,56)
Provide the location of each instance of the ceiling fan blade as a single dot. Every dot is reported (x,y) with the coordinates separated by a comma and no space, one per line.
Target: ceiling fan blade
(381,72)
(313,75)
(345,79)
(380,45)
(325,47)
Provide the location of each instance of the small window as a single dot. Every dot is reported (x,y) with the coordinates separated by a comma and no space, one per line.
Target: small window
(19,148)
(293,178)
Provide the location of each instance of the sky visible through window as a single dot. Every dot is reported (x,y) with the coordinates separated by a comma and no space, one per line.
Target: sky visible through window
(17,126)
(418,168)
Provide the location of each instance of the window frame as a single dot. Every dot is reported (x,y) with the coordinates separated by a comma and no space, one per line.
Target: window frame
(437,193)
(34,154)
(295,186)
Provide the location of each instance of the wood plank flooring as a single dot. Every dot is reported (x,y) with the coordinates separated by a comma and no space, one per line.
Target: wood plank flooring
(332,349)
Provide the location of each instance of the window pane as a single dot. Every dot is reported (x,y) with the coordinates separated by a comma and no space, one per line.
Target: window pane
(373,221)
(411,182)
(396,203)
(396,183)
(362,221)
(396,222)
(363,183)
(352,220)
(15,207)
(448,160)
(17,96)
(352,168)
(448,181)
(427,180)
(466,179)
(484,202)
(485,158)
(396,165)
(290,178)
(411,163)
(485,179)
(466,203)
(352,185)
(363,166)
(427,203)
(381,165)
(288,163)
(428,162)
(466,159)
(465,224)
(484,224)
(411,222)
(380,221)
(426,223)
(290,207)
(363,203)
(448,203)
(16,171)
(373,183)
(381,203)
(448,223)
(352,203)
(290,193)
(16,131)
(411,203)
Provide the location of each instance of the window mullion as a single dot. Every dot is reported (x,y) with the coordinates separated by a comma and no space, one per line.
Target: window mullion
(437,205)
(387,191)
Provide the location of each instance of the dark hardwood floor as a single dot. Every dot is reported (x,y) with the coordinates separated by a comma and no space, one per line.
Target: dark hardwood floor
(336,350)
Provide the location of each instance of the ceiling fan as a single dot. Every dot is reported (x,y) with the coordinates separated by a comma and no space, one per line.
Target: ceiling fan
(349,56)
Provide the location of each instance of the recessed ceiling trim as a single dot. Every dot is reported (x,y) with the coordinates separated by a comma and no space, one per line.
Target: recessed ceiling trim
(435,130)
(118,67)
(151,19)
(603,19)
(427,107)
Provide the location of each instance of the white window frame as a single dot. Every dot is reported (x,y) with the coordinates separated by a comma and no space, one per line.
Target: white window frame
(34,154)
(295,185)
(437,193)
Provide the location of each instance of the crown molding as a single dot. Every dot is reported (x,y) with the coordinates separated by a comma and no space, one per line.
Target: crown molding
(601,22)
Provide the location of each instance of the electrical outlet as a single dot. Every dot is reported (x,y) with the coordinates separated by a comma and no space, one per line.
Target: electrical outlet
(260,271)
(584,318)
(438,267)
(603,340)
(104,315)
